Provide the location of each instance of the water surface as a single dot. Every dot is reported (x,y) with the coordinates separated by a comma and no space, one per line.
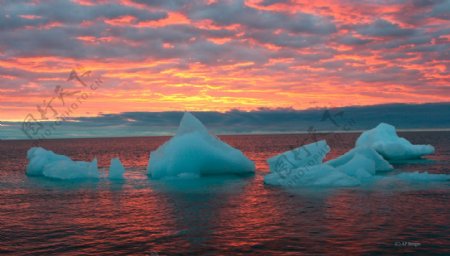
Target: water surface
(223,215)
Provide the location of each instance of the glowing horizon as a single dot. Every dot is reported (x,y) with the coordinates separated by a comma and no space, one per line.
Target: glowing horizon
(224,55)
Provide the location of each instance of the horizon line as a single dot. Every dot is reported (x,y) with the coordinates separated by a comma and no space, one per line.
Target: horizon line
(259,109)
(236,134)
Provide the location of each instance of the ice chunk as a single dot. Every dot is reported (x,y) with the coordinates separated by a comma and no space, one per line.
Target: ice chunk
(39,157)
(321,175)
(422,176)
(359,166)
(71,170)
(303,167)
(193,150)
(116,169)
(307,155)
(48,164)
(384,140)
(369,153)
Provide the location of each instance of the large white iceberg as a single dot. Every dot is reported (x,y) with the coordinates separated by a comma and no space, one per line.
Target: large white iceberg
(193,151)
(116,169)
(46,163)
(303,167)
(384,140)
(356,167)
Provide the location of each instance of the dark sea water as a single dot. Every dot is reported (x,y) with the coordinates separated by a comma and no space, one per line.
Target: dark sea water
(219,215)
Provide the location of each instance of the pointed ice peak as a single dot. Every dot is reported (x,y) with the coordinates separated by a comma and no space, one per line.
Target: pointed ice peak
(194,152)
(189,123)
(387,128)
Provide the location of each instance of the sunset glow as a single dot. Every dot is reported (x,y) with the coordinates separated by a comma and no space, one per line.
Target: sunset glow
(223,55)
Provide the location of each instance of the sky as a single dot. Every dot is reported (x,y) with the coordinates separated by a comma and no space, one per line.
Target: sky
(206,55)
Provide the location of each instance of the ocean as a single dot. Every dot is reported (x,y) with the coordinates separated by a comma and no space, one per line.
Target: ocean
(219,215)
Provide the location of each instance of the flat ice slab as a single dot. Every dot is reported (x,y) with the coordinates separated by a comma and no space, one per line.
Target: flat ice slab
(310,154)
(304,167)
(194,152)
(46,163)
(320,175)
(384,140)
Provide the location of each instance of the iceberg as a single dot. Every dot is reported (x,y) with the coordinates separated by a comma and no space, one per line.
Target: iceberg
(356,167)
(321,175)
(39,157)
(385,141)
(304,167)
(422,176)
(71,170)
(46,163)
(116,169)
(193,151)
(381,164)
(359,167)
(307,155)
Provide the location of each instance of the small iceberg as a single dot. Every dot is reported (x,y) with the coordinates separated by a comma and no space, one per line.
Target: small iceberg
(116,169)
(47,164)
(194,152)
(384,140)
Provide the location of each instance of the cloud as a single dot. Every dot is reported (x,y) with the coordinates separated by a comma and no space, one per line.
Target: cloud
(166,4)
(352,40)
(236,12)
(441,10)
(383,28)
(271,2)
(221,55)
(264,120)
(14,15)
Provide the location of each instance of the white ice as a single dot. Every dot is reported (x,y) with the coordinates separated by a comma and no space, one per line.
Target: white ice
(311,176)
(381,164)
(46,163)
(359,167)
(384,140)
(116,169)
(193,151)
(307,155)
(303,167)
(422,176)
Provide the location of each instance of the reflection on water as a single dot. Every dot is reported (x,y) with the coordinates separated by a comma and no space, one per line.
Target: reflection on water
(217,215)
